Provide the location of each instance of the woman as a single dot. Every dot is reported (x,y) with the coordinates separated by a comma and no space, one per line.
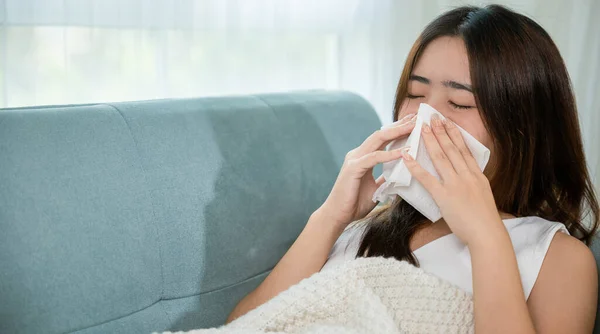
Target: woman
(498,75)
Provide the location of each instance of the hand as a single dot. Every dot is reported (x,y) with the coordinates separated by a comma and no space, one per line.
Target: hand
(351,196)
(463,194)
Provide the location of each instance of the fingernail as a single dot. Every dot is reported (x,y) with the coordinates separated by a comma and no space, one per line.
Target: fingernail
(426,128)
(448,123)
(402,149)
(402,120)
(409,116)
(406,156)
(436,120)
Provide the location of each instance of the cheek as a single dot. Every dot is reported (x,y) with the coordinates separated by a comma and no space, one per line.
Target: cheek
(408,107)
(473,124)
(481,134)
(478,131)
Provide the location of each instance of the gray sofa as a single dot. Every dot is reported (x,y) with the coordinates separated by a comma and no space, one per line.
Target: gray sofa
(159,215)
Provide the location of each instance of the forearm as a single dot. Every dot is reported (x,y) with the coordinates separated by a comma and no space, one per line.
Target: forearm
(499,301)
(306,256)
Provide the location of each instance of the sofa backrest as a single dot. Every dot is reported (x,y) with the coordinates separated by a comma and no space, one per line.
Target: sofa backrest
(159,215)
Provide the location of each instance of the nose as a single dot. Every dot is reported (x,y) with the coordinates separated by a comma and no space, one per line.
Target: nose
(438,105)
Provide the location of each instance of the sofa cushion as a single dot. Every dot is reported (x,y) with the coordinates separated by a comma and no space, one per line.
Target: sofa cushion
(159,215)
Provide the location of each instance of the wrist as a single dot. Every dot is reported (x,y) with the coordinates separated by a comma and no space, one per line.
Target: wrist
(490,236)
(321,217)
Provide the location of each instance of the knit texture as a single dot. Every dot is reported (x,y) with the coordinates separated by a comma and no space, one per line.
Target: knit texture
(367,295)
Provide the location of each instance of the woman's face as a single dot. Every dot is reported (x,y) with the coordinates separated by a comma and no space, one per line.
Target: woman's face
(441,79)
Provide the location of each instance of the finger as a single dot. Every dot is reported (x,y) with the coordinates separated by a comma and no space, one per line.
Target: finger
(429,182)
(451,151)
(380,138)
(402,120)
(380,180)
(458,140)
(368,161)
(440,160)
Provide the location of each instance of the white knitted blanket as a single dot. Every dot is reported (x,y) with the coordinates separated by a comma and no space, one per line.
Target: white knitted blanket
(367,295)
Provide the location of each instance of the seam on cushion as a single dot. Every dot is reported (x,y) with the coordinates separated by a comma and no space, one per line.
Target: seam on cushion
(169,299)
(159,240)
(114,319)
(160,257)
(304,191)
(269,106)
(233,285)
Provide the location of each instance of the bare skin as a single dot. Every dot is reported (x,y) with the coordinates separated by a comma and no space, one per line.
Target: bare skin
(349,200)
(564,297)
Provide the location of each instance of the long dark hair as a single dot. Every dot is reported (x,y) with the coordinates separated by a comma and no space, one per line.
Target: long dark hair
(523,93)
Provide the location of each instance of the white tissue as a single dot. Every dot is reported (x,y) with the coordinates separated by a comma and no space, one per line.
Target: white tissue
(399,181)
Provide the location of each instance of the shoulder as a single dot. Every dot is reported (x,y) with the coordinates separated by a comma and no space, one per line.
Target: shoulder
(568,247)
(533,229)
(531,238)
(565,293)
(567,254)
(540,236)
(543,244)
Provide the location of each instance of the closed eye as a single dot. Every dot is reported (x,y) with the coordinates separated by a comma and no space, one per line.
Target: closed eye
(414,96)
(458,106)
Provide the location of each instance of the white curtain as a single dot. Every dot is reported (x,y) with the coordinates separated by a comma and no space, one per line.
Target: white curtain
(83,51)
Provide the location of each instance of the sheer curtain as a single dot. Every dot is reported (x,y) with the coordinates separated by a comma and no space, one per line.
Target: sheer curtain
(84,51)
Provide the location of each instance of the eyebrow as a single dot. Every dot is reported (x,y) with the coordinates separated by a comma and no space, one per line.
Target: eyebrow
(449,83)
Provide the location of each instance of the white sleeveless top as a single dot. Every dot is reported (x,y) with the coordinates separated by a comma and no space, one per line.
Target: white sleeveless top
(449,259)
